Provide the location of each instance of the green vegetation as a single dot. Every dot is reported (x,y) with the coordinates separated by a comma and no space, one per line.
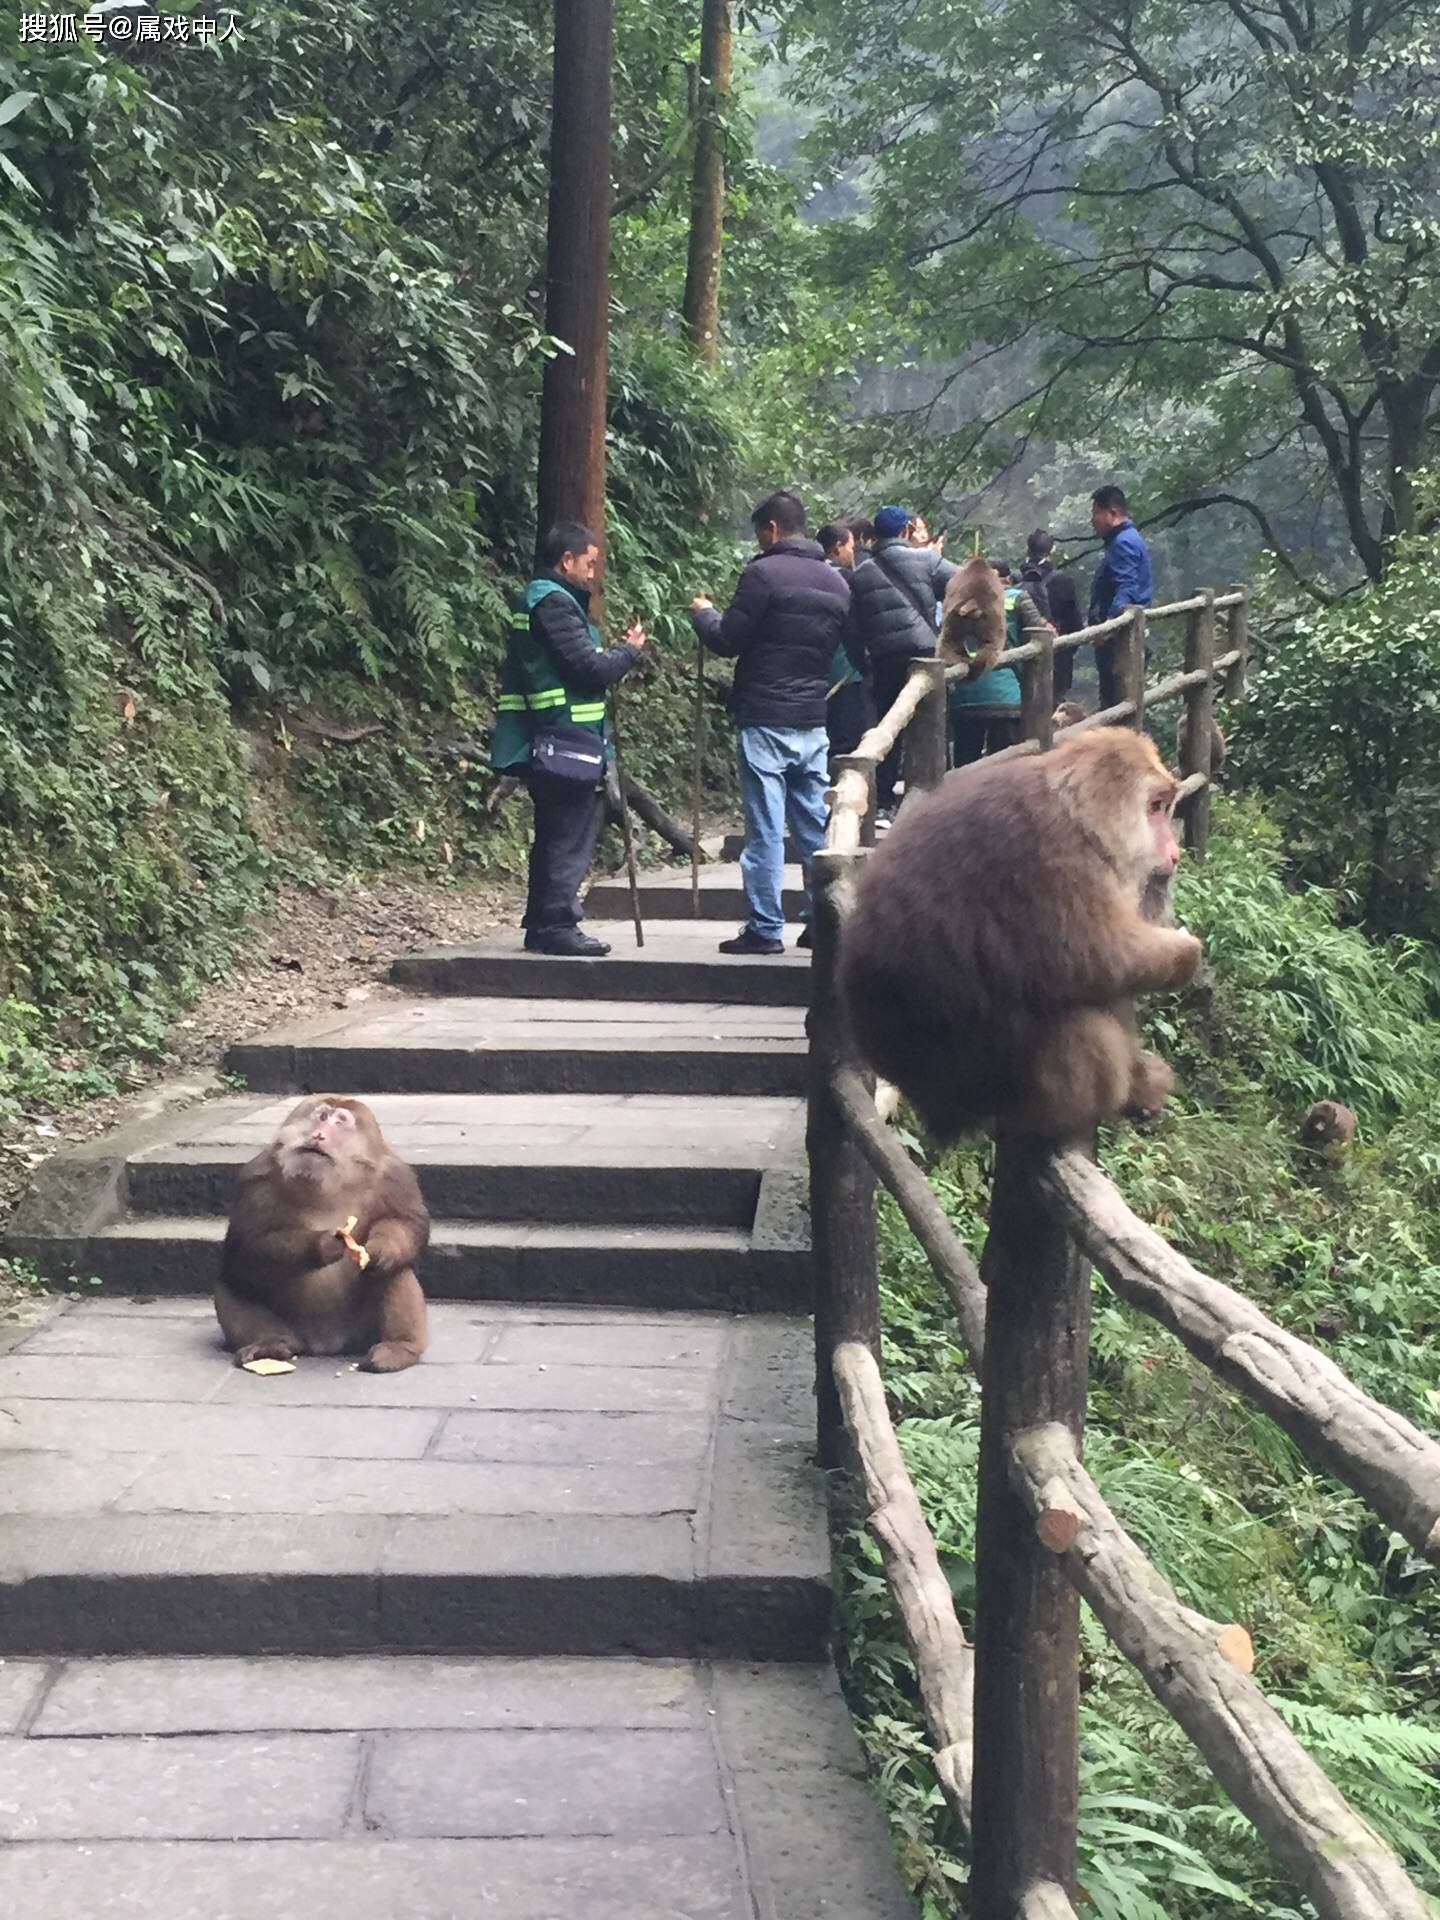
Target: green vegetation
(1345,1621)
(269,379)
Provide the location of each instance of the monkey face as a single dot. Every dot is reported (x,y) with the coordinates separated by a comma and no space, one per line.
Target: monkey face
(325,1132)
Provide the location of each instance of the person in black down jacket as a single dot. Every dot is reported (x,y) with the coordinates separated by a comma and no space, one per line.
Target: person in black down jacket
(782,628)
(894,594)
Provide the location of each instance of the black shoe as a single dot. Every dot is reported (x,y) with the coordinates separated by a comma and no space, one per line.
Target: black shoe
(566,942)
(748,941)
(805,940)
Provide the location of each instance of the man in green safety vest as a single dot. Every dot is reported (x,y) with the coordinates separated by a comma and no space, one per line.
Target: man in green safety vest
(550,731)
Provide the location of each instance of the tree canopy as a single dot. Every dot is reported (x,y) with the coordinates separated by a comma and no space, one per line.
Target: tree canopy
(1201,234)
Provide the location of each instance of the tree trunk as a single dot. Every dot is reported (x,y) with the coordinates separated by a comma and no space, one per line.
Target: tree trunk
(707,193)
(577,273)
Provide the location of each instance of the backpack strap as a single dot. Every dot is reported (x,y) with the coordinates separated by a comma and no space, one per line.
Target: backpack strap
(902,586)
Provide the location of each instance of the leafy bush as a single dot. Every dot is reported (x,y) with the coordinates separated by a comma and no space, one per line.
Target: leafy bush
(1339,735)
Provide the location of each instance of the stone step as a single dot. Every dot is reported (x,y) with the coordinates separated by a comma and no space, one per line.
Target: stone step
(679,961)
(372,1787)
(665,895)
(544,1482)
(688,1269)
(628,1198)
(465,1045)
(730,846)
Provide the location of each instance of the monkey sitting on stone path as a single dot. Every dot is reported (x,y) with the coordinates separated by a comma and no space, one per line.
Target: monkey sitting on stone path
(324,1234)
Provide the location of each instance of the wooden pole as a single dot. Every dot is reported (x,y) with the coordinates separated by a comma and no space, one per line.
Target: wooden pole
(571,483)
(1132,667)
(630,873)
(1196,741)
(701,305)
(698,779)
(863,765)
(842,1187)
(1027,1627)
(1239,622)
(1037,689)
(926,747)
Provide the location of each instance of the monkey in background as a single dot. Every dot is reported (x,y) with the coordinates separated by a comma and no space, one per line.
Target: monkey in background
(1329,1125)
(972,619)
(1068,712)
(1217,741)
(296,1276)
(1001,931)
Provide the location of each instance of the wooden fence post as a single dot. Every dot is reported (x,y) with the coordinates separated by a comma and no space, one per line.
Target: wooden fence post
(842,1186)
(1027,1622)
(1132,667)
(1239,643)
(1196,755)
(859,763)
(1037,689)
(926,741)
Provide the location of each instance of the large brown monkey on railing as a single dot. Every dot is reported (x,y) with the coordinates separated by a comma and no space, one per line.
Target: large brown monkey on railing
(1001,931)
(972,621)
(324,1233)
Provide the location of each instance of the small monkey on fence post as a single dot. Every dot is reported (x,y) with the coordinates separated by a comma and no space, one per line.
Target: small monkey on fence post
(1000,935)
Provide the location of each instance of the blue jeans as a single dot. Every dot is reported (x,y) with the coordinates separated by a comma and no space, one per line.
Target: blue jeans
(782,782)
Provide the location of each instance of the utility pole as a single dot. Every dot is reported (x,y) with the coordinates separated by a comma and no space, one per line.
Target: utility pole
(577,273)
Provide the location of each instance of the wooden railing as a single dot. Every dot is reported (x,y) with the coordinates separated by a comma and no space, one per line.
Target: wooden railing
(1003,1716)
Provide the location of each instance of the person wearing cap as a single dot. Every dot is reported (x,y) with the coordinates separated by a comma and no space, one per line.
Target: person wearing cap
(895,592)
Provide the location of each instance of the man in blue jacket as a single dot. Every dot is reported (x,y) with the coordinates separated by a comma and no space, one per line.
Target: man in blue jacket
(550,731)
(1122,578)
(781,629)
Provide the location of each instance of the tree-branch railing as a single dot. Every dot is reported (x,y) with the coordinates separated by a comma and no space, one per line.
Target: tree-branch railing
(1003,1718)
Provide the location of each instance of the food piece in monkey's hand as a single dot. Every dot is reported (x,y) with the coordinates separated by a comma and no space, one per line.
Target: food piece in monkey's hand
(972,620)
(352,1246)
(291,1282)
(1002,930)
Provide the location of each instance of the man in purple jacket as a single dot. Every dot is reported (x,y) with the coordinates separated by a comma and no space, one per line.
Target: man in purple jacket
(1122,578)
(781,629)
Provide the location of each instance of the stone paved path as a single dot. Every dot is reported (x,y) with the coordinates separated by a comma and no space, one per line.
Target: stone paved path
(537,1628)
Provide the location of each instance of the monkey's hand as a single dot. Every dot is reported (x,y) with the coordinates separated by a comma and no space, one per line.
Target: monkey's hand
(392,1245)
(352,1246)
(1187,952)
(328,1248)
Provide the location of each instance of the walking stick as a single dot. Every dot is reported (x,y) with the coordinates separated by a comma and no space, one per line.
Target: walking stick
(699,771)
(630,872)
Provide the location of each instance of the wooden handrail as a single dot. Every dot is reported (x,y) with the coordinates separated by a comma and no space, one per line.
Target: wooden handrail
(852,796)
(1199,1673)
(915,1197)
(1390,1463)
(1019,1785)
(944,1664)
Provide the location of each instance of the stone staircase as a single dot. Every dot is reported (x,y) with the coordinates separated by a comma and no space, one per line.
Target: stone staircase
(577,1559)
